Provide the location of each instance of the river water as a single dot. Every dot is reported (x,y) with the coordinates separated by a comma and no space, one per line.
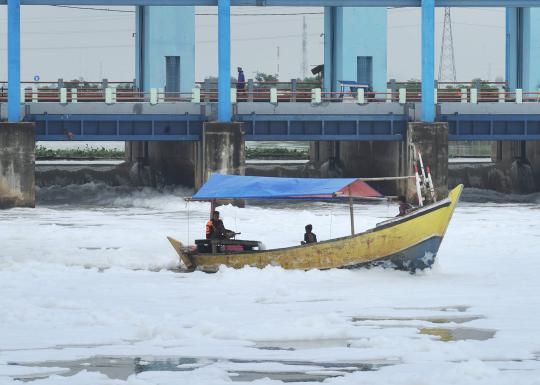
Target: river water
(89,295)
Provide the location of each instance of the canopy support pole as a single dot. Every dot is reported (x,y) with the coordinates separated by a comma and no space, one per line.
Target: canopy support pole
(351,210)
(213,206)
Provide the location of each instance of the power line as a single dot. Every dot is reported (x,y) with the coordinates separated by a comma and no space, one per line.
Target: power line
(132,46)
(196,14)
(72,32)
(94,9)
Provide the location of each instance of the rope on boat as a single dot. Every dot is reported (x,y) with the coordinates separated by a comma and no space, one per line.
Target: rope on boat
(386,178)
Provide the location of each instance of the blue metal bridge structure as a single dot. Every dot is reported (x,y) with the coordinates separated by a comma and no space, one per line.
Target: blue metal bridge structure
(299,121)
(384,122)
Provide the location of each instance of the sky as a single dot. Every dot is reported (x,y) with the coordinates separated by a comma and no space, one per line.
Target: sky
(72,43)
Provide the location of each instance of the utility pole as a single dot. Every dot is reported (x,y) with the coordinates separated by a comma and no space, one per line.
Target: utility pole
(447,62)
(277,57)
(304,48)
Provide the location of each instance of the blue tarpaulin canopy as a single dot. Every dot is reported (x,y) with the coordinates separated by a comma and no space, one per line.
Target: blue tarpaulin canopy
(255,187)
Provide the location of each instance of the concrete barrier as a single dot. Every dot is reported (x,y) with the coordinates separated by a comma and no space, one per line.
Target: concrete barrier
(316,96)
(519,95)
(463,95)
(108,96)
(360,97)
(474,96)
(402,96)
(196,95)
(502,95)
(273,95)
(34,94)
(153,96)
(63,95)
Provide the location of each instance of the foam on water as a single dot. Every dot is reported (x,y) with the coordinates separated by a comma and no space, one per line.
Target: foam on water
(77,280)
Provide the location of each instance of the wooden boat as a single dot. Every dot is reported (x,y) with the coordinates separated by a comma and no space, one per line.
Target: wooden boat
(410,242)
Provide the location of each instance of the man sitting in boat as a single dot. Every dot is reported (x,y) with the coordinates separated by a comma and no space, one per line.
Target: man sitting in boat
(404,207)
(309,237)
(215,229)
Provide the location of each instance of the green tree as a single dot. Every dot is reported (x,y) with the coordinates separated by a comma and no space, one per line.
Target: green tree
(266,78)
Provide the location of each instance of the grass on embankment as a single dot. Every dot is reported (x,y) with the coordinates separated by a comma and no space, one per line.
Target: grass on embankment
(90,153)
(83,153)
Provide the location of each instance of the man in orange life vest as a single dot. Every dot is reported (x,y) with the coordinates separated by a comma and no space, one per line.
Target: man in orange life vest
(215,229)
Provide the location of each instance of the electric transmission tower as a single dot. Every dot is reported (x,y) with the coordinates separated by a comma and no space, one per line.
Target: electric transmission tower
(447,62)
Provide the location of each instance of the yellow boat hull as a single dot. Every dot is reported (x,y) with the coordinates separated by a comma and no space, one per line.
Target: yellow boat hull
(409,243)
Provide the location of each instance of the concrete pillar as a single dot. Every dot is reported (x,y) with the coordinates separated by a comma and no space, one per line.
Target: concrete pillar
(351,37)
(517,167)
(325,162)
(374,159)
(533,157)
(431,139)
(163,163)
(17,160)
(223,150)
(359,159)
(523,48)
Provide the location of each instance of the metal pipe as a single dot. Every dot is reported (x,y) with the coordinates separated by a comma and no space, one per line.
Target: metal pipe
(428,60)
(14,60)
(386,178)
(224,61)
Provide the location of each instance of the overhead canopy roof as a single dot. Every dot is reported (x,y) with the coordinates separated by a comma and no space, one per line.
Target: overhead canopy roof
(256,187)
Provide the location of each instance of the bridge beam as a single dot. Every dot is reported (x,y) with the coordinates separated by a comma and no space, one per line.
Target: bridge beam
(14,61)
(292,3)
(428,61)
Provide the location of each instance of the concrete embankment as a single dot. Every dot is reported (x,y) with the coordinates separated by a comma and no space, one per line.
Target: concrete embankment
(473,173)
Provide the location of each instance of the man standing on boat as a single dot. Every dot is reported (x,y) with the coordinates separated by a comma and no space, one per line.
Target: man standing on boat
(215,229)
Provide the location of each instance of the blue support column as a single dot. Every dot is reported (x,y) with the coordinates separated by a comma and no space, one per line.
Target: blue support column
(522,48)
(14,60)
(224,61)
(428,60)
(350,35)
(162,32)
